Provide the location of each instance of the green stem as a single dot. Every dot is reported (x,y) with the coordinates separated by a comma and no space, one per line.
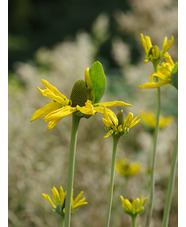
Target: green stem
(116,218)
(133,221)
(152,184)
(62,222)
(115,144)
(75,124)
(170,185)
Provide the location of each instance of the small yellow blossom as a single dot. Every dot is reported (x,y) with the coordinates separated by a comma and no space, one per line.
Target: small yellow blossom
(149,119)
(116,125)
(58,203)
(61,107)
(134,207)
(163,74)
(127,169)
(153,53)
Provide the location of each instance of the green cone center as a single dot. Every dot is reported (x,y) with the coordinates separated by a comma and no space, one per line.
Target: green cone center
(79,93)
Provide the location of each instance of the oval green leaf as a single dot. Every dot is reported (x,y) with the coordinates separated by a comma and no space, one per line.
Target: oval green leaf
(98,81)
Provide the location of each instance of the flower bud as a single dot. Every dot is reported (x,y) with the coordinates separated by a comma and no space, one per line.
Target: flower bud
(120,117)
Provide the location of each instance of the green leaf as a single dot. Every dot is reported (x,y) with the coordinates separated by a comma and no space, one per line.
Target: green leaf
(98,81)
(174,76)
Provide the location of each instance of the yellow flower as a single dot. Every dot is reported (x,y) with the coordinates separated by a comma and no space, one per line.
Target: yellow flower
(163,73)
(127,169)
(134,207)
(153,53)
(61,107)
(117,124)
(58,202)
(150,120)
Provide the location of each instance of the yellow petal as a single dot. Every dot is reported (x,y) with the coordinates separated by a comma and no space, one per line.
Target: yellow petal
(53,89)
(51,106)
(128,205)
(55,195)
(113,103)
(153,85)
(62,195)
(167,45)
(52,124)
(47,93)
(88,109)
(47,198)
(78,197)
(135,121)
(87,79)
(109,133)
(60,113)
(106,122)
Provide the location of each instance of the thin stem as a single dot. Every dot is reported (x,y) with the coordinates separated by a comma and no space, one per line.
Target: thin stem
(75,124)
(115,143)
(152,184)
(133,221)
(62,222)
(116,218)
(170,185)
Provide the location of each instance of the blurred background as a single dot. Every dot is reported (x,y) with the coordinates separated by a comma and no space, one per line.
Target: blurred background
(56,41)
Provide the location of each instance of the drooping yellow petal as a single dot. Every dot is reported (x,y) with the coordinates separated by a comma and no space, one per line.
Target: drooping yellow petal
(60,113)
(153,84)
(113,103)
(52,124)
(51,106)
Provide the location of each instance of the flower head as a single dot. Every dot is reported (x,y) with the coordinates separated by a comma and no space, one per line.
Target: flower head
(81,102)
(58,203)
(134,207)
(149,119)
(117,124)
(127,169)
(163,74)
(153,53)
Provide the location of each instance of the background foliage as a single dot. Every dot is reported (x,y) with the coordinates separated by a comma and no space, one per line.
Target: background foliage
(56,41)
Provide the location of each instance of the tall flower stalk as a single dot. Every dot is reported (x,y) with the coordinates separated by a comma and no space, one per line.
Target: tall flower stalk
(162,75)
(170,185)
(117,126)
(114,151)
(71,166)
(152,183)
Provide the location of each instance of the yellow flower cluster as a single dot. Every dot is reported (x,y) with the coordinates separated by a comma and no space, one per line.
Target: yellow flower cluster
(58,202)
(117,124)
(134,207)
(149,119)
(153,54)
(127,169)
